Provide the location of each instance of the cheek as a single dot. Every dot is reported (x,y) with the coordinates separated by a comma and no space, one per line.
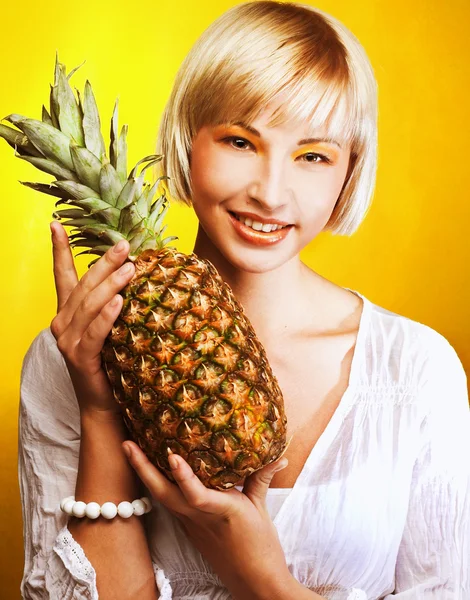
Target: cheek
(319,192)
(214,176)
(317,198)
(327,187)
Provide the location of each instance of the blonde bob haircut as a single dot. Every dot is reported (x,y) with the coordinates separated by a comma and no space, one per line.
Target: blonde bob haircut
(244,59)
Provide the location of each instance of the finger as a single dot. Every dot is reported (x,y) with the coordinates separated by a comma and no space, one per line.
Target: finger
(196,494)
(256,485)
(92,340)
(107,264)
(103,268)
(158,485)
(65,274)
(91,306)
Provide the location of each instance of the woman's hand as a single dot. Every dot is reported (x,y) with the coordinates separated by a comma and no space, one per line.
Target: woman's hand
(85,316)
(231,529)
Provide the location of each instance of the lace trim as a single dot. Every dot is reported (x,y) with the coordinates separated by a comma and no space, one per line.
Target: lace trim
(163,583)
(74,558)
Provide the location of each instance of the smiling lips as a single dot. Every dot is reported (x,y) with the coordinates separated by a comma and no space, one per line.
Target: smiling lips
(260,237)
(259,223)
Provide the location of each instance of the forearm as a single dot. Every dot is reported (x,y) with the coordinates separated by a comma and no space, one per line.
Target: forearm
(293,590)
(280,588)
(117,548)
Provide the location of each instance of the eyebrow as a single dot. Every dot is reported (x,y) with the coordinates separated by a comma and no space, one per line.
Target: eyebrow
(299,143)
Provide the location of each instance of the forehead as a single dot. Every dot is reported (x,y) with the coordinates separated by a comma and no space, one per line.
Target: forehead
(277,116)
(301,131)
(294,131)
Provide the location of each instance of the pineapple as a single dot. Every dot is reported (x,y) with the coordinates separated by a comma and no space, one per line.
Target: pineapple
(182,358)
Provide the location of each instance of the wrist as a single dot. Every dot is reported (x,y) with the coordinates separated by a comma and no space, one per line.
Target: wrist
(93,415)
(273,586)
(286,587)
(281,588)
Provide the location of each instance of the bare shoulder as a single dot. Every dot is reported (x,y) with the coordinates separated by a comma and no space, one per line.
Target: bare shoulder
(337,311)
(346,309)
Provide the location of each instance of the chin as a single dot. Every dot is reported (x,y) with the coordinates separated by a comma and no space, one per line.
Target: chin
(256,263)
(248,260)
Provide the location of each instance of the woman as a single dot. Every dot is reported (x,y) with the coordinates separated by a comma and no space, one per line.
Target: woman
(371,499)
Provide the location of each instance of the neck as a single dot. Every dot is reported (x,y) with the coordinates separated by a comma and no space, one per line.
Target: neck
(277,301)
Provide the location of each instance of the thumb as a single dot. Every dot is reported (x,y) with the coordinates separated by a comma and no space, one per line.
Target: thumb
(257,485)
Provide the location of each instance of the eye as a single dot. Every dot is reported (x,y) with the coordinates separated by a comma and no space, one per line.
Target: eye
(230,139)
(315,155)
(322,158)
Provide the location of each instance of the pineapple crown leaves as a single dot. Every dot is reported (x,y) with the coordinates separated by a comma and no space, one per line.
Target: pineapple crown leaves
(108,205)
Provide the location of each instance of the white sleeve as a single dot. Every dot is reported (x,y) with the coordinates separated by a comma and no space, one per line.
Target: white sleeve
(434,557)
(48,450)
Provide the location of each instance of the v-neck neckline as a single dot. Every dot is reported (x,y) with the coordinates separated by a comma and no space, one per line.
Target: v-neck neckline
(334,423)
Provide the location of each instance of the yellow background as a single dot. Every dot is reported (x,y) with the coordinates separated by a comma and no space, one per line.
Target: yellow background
(411,254)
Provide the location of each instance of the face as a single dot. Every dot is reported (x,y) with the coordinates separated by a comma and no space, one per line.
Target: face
(276,175)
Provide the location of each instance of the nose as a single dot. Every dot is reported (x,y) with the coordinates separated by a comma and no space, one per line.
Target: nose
(268,186)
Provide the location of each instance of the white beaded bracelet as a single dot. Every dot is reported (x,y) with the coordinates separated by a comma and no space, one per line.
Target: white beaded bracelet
(108,510)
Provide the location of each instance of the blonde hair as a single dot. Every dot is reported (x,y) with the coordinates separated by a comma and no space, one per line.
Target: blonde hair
(244,59)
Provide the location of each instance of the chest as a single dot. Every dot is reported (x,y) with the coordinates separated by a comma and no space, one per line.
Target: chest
(313,378)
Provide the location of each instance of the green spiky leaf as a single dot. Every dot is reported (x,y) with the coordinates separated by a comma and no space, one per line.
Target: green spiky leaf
(91,123)
(70,118)
(113,146)
(99,199)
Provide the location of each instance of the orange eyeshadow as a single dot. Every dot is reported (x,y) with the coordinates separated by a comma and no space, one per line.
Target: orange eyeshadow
(320,149)
(234,130)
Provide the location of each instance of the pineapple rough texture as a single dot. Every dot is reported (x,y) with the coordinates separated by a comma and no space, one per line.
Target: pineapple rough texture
(182,358)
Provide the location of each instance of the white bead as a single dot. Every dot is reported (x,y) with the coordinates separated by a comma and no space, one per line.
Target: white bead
(65,500)
(139,507)
(147,503)
(68,506)
(93,510)
(125,509)
(108,510)
(78,509)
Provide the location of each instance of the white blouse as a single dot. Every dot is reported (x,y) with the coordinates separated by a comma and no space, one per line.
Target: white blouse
(380,510)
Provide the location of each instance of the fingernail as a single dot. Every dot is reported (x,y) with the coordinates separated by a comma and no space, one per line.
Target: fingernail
(125,269)
(127,450)
(52,226)
(119,246)
(174,461)
(114,301)
(282,465)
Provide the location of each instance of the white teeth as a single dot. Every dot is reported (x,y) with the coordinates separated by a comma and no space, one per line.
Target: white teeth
(257,226)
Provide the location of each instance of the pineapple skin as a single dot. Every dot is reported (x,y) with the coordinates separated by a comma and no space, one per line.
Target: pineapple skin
(189,373)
